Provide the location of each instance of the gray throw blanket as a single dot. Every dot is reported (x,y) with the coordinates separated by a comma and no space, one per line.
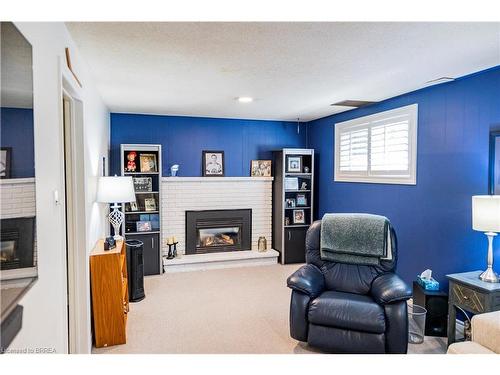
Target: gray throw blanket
(354,238)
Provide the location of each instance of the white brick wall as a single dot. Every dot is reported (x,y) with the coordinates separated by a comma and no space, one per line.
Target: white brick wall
(17,199)
(180,194)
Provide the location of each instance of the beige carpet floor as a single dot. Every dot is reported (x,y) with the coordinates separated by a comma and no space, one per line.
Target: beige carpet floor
(238,310)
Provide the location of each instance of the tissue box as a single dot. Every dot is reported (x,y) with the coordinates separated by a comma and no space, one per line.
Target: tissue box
(428,284)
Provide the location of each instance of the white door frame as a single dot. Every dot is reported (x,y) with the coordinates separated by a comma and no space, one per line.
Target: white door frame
(79,336)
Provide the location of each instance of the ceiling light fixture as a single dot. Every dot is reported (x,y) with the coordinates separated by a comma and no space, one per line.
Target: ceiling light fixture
(245,99)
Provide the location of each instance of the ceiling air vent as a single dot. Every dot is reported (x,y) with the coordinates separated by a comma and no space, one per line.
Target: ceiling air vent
(437,81)
(353,103)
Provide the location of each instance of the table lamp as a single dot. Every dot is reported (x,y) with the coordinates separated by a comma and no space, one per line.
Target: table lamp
(115,190)
(486,218)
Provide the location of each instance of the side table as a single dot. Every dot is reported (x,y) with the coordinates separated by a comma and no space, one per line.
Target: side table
(436,304)
(471,294)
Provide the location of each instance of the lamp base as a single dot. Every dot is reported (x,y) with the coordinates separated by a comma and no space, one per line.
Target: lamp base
(116,218)
(489,276)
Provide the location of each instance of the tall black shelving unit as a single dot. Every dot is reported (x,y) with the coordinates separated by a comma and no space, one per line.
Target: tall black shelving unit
(293,202)
(147,185)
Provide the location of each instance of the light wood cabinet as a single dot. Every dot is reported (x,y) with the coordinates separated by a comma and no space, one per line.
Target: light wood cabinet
(109,287)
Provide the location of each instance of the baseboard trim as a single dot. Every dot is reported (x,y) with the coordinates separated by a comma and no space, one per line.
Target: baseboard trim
(251,258)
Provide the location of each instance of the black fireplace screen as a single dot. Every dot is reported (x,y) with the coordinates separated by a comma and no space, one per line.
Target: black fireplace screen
(219,237)
(17,243)
(218,231)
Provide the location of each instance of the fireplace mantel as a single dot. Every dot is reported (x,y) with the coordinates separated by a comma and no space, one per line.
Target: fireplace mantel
(216,179)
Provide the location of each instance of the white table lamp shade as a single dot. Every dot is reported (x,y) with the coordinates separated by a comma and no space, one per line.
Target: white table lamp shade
(486,213)
(115,189)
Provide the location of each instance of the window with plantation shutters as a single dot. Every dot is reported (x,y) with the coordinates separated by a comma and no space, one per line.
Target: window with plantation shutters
(380,148)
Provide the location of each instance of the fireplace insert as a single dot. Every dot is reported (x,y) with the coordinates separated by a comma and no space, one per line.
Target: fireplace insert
(213,231)
(17,243)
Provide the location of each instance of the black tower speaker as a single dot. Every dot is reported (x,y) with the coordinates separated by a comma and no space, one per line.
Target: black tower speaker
(436,304)
(135,270)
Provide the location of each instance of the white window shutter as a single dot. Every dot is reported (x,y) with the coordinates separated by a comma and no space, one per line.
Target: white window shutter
(390,145)
(354,150)
(380,148)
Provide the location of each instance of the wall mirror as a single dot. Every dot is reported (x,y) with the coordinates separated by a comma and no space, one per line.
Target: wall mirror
(18,253)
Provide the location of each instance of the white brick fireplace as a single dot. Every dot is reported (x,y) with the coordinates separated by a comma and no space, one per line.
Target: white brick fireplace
(17,199)
(181,194)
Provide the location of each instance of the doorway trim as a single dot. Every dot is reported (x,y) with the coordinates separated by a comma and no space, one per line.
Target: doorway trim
(78,288)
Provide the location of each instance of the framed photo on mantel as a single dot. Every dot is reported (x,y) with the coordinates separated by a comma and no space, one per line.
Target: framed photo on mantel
(260,168)
(5,162)
(213,163)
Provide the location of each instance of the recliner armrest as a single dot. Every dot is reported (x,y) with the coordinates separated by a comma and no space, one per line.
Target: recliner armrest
(307,279)
(388,288)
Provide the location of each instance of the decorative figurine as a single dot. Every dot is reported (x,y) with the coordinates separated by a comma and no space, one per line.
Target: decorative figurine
(173,170)
(131,166)
(306,169)
(303,186)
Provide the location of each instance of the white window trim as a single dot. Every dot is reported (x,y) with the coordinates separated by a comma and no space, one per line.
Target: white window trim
(377,177)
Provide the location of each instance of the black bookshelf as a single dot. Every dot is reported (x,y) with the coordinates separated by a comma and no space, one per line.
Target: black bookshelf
(143,217)
(293,202)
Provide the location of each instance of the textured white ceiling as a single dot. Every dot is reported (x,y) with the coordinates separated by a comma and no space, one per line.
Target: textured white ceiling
(16,68)
(291,69)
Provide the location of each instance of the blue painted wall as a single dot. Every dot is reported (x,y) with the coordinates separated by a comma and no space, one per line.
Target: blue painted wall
(184,138)
(17,131)
(433,218)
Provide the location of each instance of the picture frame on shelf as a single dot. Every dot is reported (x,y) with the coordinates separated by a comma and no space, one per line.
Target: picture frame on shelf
(294,164)
(149,204)
(299,217)
(291,183)
(148,163)
(290,203)
(144,217)
(5,155)
(143,226)
(301,200)
(155,223)
(213,163)
(153,218)
(260,168)
(143,184)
